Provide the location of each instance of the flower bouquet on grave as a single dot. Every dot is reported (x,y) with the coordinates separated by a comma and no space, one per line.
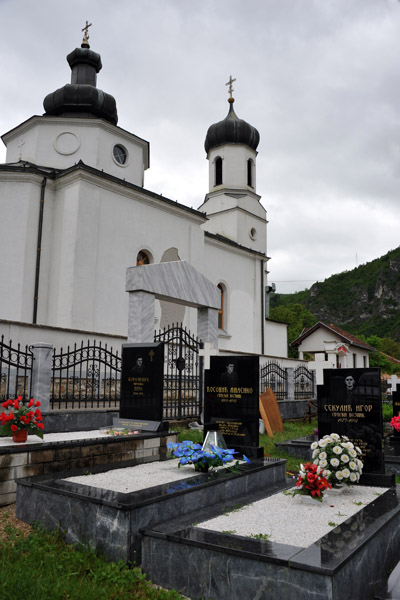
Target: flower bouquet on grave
(190,453)
(338,458)
(395,422)
(311,482)
(21,417)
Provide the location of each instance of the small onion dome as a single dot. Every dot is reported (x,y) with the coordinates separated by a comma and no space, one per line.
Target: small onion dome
(81,97)
(231,130)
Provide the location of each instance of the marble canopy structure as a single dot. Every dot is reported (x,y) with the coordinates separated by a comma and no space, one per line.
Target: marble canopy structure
(177,282)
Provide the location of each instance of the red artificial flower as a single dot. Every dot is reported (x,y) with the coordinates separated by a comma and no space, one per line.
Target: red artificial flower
(40,425)
(14,428)
(37,403)
(16,404)
(31,402)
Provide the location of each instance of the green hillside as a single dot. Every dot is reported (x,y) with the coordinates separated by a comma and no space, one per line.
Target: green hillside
(364,301)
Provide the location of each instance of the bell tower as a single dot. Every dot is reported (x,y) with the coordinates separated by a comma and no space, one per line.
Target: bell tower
(232,204)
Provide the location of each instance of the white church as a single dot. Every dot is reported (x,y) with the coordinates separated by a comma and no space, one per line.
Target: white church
(74,215)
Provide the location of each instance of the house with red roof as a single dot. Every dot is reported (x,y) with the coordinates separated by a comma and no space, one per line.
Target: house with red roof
(331,348)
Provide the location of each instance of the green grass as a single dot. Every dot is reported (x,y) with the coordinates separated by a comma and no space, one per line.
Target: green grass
(43,566)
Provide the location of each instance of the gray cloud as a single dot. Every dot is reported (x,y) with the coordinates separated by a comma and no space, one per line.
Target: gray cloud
(320,81)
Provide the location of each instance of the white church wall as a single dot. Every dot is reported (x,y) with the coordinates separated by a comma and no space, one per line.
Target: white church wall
(96,235)
(19,202)
(240,274)
(276,338)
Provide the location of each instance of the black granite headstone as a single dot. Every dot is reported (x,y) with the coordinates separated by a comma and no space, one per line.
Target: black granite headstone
(231,402)
(142,382)
(350,403)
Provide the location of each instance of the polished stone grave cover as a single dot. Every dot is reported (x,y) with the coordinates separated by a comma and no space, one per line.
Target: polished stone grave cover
(110,521)
(351,562)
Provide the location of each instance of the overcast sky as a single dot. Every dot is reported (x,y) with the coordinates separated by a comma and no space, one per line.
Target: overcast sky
(320,79)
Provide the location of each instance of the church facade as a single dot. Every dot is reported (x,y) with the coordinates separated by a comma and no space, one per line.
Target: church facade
(75,215)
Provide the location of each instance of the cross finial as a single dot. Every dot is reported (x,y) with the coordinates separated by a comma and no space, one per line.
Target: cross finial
(85,40)
(230,89)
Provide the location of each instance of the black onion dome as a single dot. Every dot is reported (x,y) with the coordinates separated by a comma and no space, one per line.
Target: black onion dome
(231,130)
(81,97)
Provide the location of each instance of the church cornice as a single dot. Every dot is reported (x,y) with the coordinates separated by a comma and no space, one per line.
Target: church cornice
(220,239)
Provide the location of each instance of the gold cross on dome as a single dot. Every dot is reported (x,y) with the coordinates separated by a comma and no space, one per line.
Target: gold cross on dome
(86,33)
(230,89)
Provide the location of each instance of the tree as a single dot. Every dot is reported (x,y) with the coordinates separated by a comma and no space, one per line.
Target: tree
(297,317)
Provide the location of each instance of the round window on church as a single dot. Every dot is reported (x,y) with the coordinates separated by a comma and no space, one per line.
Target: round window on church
(253,233)
(120,154)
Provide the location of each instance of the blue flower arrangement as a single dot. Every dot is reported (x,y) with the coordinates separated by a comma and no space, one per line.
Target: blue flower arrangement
(191,453)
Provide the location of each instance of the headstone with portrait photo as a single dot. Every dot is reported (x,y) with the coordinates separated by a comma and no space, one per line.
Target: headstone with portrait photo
(350,404)
(142,384)
(231,402)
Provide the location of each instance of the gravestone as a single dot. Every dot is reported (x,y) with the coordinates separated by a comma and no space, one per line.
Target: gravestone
(231,402)
(350,403)
(141,404)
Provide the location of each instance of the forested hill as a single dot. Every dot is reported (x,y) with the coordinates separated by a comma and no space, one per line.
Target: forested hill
(364,301)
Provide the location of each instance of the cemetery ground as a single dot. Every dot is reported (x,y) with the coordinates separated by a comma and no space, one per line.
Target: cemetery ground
(35,564)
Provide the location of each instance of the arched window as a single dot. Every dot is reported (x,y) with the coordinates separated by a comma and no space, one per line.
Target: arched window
(142,258)
(250,172)
(218,170)
(221,311)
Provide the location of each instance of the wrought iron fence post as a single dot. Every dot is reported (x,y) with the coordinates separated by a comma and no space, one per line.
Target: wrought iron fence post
(41,373)
(314,386)
(290,383)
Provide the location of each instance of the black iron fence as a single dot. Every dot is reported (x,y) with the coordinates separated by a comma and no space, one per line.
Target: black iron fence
(275,377)
(85,376)
(15,371)
(183,373)
(304,383)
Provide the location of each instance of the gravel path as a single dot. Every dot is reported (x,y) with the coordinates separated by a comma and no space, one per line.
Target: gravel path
(290,520)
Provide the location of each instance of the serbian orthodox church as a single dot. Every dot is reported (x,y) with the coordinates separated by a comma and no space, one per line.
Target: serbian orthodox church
(74,215)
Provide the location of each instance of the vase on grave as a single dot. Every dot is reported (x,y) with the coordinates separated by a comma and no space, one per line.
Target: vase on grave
(20,436)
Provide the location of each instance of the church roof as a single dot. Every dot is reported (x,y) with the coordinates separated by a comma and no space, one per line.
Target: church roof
(81,97)
(231,130)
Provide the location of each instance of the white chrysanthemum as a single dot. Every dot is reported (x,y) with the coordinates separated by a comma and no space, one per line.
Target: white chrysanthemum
(353,453)
(344,458)
(323,463)
(345,438)
(314,445)
(319,471)
(358,450)
(339,475)
(323,455)
(359,463)
(337,449)
(335,462)
(335,437)
(352,465)
(346,473)
(315,453)
(358,476)
(322,443)
(328,439)
(353,477)
(315,461)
